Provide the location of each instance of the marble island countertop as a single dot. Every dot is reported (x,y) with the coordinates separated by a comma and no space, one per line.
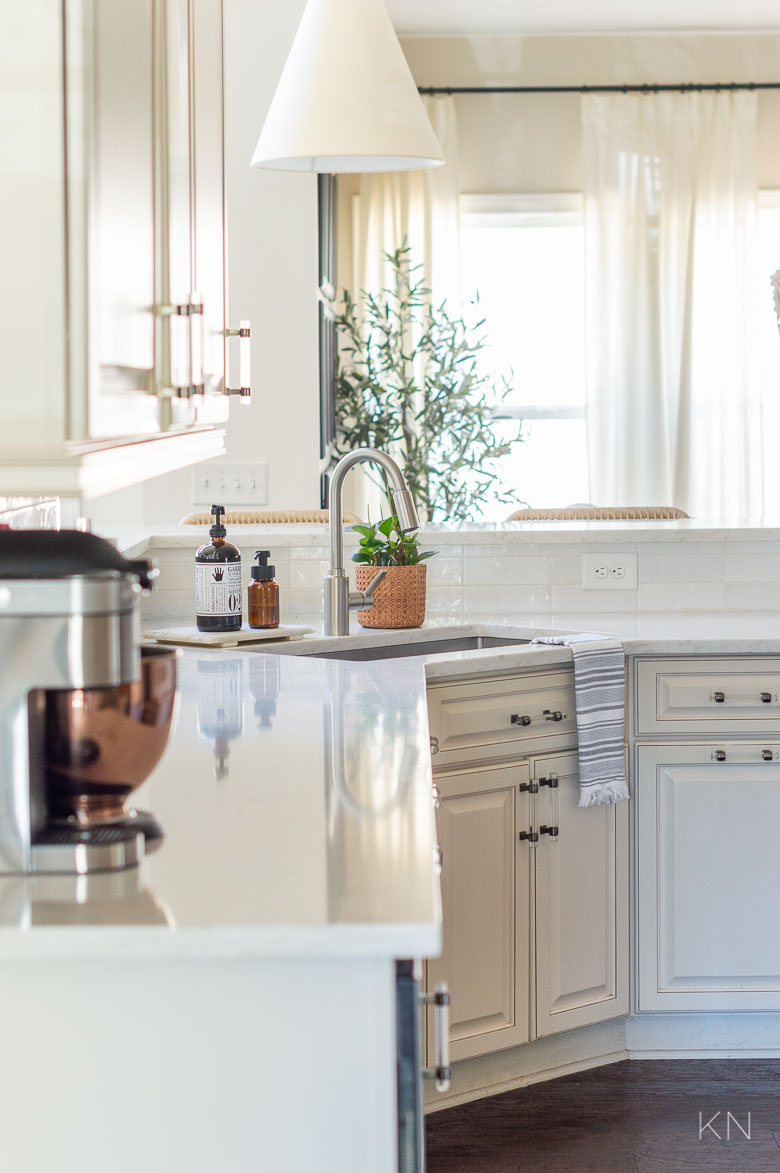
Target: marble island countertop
(296,796)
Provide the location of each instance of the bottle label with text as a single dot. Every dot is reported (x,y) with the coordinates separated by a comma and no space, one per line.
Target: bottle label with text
(218,588)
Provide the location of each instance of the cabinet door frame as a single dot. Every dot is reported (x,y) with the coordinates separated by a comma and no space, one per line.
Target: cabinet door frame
(455,786)
(598,1003)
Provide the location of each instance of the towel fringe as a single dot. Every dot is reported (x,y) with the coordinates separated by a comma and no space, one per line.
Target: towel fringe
(604,793)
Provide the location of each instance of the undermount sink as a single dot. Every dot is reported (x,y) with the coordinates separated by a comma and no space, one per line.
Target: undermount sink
(460,643)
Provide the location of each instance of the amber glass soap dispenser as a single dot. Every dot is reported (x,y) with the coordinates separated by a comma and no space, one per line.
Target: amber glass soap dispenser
(218,586)
(263,593)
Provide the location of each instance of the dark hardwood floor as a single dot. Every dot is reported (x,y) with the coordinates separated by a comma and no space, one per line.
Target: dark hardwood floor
(632,1117)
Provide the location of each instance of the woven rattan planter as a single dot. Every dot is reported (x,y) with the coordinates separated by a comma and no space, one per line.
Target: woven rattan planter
(399,601)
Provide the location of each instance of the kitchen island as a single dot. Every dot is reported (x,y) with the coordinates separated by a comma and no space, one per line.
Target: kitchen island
(231,1003)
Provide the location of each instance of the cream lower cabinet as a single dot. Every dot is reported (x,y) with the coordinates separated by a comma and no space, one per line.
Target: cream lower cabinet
(486,872)
(581,903)
(535,927)
(708,922)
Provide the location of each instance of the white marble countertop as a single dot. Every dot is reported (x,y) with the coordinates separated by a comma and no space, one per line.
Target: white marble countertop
(296,796)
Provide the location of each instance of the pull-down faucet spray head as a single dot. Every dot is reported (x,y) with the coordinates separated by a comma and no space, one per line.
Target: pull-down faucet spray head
(405,509)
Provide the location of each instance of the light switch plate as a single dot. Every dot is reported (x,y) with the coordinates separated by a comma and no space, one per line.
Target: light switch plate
(609,572)
(239,482)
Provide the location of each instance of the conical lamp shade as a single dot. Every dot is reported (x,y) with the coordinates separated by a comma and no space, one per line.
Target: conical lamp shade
(346,100)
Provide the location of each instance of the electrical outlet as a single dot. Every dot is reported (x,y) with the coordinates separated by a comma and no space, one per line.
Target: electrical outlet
(609,572)
(239,483)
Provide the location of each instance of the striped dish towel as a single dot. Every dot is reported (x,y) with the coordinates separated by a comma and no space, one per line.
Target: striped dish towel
(599,691)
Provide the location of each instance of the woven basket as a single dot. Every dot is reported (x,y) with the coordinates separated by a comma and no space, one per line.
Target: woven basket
(269,517)
(601,513)
(399,601)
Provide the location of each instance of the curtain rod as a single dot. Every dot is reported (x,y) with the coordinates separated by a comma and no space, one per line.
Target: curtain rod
(647,88)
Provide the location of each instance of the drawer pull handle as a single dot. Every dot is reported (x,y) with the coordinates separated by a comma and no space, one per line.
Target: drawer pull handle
(719,755)
(549,715)
(720,697)
(516,719)
(767,755)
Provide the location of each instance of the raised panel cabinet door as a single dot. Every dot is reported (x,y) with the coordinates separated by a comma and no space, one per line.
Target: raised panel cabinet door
(111,223)
(708,877)
(581,905)
(485,897)
(208,210)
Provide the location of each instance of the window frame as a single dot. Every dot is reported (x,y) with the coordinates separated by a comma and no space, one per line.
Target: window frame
(534,210)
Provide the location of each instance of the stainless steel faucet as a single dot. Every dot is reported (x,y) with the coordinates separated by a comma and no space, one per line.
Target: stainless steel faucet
(339,600)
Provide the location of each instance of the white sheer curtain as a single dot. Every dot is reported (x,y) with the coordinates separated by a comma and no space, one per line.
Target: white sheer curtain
(420,207)
(670,200)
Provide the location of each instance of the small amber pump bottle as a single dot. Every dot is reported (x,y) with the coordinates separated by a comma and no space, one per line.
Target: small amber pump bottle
(263,593)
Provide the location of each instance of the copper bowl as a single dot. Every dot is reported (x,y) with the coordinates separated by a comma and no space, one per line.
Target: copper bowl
(102,743)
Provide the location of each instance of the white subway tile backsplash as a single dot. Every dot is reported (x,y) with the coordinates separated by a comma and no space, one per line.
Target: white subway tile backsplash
(299,553)
(566,597)
(307,573)
(680,596)
(508,600)
(444,571)
(507,550)
(693,567)
(752,567)
(566,568)
(499,571)
(301,603)
(620,623)
(753,596)
(733,545)
(684,547)
(445,600)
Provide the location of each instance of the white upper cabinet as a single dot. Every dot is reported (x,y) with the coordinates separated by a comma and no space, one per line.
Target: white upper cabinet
(113,238)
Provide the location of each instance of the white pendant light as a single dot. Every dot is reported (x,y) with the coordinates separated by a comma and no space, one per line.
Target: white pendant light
(346,100)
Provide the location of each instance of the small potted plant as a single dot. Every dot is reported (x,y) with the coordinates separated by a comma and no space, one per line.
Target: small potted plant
(399,601)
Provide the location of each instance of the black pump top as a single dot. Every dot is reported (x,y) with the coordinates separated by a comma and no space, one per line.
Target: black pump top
(263,570)
(217,530)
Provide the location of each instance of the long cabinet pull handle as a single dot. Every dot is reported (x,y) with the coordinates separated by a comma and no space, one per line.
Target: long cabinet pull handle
(197,343)
(440,1000)
(244,389)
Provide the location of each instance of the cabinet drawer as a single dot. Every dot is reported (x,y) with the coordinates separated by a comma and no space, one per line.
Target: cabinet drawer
(704,695)
(485,718)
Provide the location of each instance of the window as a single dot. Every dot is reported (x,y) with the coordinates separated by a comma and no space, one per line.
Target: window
(524,255)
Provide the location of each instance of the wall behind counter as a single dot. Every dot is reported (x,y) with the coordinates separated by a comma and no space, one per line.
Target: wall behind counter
(529,579)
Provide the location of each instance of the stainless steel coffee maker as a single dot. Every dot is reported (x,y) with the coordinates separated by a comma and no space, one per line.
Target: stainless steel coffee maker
(84,715)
